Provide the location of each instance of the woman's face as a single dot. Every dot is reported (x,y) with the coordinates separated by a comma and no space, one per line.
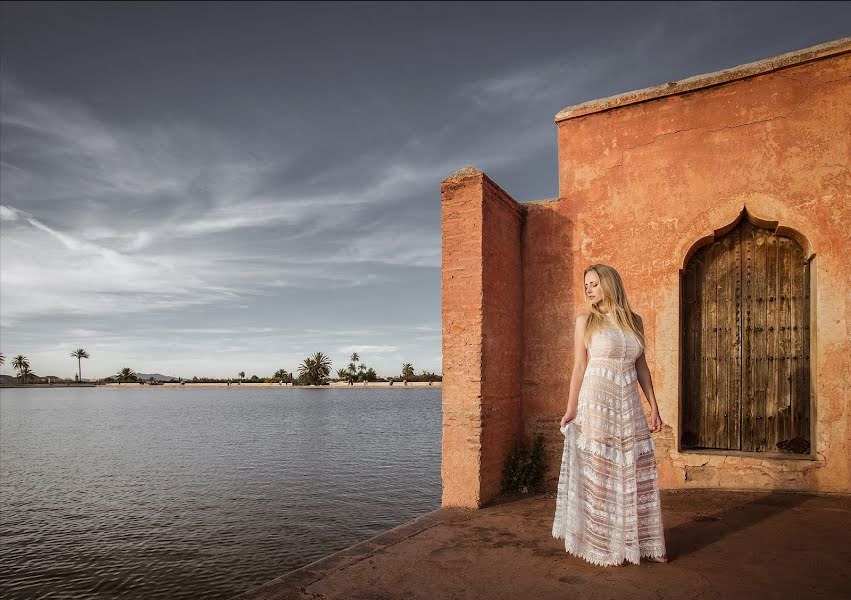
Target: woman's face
(592,287)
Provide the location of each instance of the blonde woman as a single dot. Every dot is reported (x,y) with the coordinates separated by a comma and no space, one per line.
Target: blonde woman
(607,508)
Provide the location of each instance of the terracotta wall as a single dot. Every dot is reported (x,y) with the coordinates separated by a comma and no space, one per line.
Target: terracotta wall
(643,184)
(502,349)
(482,295)
(461,298)
(645,179)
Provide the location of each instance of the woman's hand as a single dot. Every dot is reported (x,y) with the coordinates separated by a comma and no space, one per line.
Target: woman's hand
(655,420)
(568,417)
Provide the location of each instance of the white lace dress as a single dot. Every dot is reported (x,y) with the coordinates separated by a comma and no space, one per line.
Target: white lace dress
(607,508)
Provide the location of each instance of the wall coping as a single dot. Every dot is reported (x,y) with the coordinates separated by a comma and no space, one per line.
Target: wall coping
(471,172)
(832,48)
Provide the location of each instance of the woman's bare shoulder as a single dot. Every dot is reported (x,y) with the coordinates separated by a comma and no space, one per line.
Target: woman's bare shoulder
(582,318)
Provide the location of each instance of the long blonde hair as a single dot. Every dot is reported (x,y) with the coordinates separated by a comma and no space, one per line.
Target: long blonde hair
(615,296)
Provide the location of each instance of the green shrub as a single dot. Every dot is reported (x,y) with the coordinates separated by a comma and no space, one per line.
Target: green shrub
(524,467)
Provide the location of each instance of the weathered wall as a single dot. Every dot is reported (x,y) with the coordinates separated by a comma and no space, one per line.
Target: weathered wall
(640,186)
(502,355)
(461,299)
(645,179)
(482,296)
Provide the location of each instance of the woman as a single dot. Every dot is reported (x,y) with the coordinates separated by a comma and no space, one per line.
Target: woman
(607,508)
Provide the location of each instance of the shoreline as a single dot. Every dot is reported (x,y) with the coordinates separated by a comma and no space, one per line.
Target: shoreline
(372,384)
(136,385)
(47,385)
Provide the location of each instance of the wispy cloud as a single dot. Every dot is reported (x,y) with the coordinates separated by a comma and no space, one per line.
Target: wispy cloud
(48,143)
(114,226)
(555,80)
(110,243)
(370,349)
(46,271)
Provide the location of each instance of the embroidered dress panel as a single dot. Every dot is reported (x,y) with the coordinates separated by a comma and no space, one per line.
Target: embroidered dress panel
(607,506)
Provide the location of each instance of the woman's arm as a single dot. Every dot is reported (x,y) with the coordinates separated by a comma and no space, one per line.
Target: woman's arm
(580,362)
(646,383)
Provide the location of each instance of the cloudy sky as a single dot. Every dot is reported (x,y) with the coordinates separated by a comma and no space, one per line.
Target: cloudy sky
(199,189)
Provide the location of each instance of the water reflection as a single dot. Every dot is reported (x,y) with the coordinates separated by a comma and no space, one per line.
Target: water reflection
(187,493)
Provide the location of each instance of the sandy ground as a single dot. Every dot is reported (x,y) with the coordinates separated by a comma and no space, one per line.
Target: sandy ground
(721,544)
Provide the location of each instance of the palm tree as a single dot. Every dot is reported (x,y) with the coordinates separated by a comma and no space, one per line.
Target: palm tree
(315,369)
(126,374)
(306,370)
(20,362)
(79,354)
(342,374)
(407,371)
(323,366)
(2,359)
(355,357)
(25,373)
(281,375)
(352,368)
(241,375)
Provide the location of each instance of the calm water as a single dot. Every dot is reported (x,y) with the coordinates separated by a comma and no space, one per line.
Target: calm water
(202,493)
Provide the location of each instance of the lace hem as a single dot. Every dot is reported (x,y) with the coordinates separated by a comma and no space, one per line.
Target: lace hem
(597,558)
(648,550)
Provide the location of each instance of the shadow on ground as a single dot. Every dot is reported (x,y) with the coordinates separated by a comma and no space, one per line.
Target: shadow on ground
(721,544)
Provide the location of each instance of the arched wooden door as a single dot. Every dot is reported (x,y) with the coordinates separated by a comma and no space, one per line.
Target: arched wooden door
(745,341)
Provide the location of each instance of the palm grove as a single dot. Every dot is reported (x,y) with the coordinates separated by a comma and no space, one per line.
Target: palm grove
(313,370)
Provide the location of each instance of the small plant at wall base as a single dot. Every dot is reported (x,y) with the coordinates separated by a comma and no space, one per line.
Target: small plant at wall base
(524,467)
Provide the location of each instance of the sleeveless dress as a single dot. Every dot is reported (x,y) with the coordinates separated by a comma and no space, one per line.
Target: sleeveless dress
(607,506)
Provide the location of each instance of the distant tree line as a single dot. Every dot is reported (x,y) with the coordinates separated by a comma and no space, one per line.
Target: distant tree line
(26,375)
(313,370)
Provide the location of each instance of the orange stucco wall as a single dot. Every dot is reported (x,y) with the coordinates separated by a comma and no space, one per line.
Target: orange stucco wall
(641,186)
(502,341)
(482,294)
(461,299)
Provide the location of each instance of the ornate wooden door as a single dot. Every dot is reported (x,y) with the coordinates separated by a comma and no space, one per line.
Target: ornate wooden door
(745,341)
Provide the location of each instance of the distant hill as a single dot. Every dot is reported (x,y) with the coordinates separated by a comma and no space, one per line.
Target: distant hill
(156,376)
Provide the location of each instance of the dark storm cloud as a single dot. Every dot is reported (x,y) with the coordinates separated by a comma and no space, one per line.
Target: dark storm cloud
(210,184)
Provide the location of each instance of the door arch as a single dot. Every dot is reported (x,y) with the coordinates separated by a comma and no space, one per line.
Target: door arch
(745,338)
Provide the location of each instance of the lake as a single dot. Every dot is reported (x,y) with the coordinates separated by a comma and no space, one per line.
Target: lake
(155,492)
